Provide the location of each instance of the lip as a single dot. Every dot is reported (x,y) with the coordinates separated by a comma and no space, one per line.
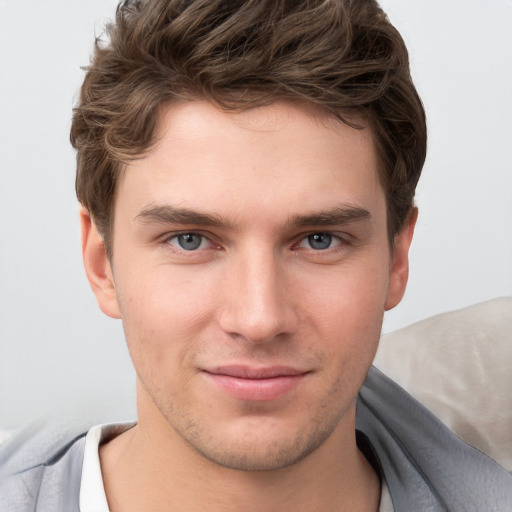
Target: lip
(256,383)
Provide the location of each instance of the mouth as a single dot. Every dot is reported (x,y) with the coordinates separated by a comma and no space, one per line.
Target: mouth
(256,383)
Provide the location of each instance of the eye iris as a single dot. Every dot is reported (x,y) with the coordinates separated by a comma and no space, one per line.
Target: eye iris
(320,240)
(189,241)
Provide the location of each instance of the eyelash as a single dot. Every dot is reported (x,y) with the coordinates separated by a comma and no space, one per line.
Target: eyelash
(340,242)
(168,239)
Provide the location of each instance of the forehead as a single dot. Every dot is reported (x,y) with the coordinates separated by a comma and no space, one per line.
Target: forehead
(294,156)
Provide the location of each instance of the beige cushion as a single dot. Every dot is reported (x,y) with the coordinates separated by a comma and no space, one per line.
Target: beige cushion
(459,365)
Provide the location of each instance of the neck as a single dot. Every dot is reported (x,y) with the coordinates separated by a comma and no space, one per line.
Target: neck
(150,467)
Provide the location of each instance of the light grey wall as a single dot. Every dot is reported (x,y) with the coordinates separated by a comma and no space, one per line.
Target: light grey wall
(57,348)
(462,65)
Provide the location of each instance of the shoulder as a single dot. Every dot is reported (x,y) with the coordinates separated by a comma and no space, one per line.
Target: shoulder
(40,468)
(425,465)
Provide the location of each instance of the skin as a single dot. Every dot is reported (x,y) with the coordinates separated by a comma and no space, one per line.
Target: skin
(292,269)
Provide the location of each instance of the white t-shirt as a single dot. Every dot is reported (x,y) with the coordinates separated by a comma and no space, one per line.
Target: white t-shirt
(92,491)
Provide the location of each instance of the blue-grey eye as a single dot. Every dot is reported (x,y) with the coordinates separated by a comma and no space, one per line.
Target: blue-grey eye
(320,241)
(188,241)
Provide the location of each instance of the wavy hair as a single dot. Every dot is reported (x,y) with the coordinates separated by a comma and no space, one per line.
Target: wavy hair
(341,55)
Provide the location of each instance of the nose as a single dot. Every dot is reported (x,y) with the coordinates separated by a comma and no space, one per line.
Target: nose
(258,305)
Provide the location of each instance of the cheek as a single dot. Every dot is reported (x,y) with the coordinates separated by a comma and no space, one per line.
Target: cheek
(164,297)
(347,312)
(163,315)
(352,294)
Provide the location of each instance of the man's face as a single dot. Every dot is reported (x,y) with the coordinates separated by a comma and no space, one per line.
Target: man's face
(251,268)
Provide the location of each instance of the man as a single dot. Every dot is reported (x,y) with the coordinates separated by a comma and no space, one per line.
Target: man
(247,174)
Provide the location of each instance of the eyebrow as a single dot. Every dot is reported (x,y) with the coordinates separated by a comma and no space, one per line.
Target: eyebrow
(345,214)
(167,214)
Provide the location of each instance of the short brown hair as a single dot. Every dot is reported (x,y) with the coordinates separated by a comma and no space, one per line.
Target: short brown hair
(342,55)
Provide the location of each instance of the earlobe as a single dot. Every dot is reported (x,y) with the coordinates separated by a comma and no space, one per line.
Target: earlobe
(97,266)
(399,271)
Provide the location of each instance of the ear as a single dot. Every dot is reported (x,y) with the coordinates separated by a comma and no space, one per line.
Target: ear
(97,266)
(399,271)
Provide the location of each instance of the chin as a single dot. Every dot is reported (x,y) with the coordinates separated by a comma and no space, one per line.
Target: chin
(260,446)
